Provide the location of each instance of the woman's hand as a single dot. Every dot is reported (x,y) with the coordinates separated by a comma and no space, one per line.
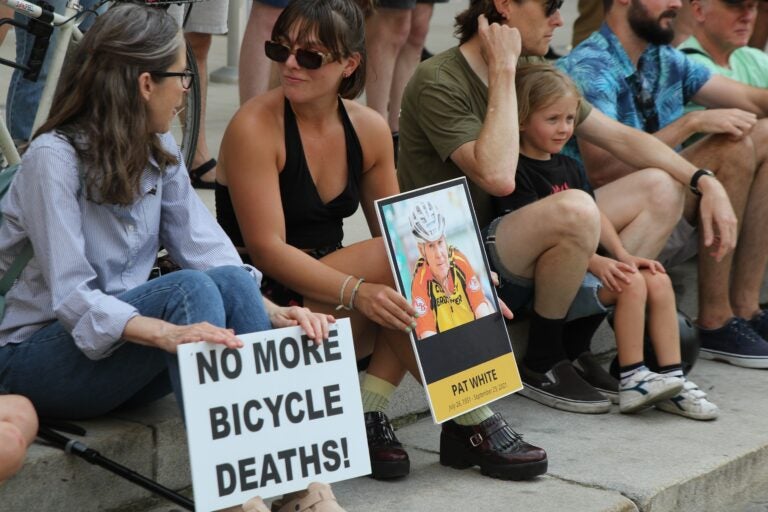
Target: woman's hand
(169,336)
(385,306)
(314,324)
(611,272)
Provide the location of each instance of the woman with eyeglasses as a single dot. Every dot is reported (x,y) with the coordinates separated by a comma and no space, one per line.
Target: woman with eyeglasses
(294,163)
(101,187)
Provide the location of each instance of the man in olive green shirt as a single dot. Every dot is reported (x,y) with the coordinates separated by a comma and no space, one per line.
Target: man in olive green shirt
(459,118)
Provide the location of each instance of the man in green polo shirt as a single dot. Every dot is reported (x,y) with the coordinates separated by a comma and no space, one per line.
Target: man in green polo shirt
(720,35)
(459,118)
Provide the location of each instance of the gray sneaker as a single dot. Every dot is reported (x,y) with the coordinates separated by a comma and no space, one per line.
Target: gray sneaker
(562,388)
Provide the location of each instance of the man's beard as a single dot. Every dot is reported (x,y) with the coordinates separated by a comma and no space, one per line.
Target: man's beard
(647,28)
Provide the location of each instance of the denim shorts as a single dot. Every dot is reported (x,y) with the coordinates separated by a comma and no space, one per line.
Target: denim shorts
(517,292)
(405,4)
(275,3)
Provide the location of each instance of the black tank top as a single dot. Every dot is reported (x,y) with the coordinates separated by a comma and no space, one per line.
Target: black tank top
(309,223)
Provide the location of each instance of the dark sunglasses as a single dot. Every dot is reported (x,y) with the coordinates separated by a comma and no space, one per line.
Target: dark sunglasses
(644,102)
(552,6)
(307,59)
(185,76)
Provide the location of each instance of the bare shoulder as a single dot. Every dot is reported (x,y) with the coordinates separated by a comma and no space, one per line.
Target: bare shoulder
(264,111)
(255,134)
(371,128)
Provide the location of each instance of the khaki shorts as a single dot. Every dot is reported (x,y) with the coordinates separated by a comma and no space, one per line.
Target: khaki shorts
(682,245)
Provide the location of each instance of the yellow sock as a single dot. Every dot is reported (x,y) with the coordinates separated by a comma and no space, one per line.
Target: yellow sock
(376,393)
(475,417)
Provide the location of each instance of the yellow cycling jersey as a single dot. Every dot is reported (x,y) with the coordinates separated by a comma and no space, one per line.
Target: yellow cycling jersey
(438,309)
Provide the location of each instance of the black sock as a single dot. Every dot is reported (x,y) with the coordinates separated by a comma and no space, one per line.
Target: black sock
(577,334)
(676,370)
(545,343)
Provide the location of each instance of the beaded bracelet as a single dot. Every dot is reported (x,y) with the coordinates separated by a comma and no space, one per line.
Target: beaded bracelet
(354,293)
(341,295)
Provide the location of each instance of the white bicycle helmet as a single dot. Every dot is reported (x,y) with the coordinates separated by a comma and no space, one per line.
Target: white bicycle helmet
(427,223)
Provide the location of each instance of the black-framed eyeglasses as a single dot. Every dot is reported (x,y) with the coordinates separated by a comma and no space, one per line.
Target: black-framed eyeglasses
(185,76)
(552,6)
(308,59)
(644,103)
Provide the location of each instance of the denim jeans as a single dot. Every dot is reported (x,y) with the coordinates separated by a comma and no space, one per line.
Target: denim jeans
(24,95)
(62,383)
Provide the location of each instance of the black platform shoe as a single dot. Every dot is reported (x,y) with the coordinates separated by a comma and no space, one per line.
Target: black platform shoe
(388,459)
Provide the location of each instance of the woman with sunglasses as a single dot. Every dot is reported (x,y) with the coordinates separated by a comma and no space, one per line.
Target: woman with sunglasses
(101,187)
(294,163)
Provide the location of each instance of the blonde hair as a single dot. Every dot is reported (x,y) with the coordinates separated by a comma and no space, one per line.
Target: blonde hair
(540,85)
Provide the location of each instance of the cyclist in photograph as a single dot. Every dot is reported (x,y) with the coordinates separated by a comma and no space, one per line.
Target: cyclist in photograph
(445,291)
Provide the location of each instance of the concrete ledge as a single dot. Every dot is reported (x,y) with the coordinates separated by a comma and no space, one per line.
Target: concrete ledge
(651,461)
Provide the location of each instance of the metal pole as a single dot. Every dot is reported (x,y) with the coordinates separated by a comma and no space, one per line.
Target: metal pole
(228,74)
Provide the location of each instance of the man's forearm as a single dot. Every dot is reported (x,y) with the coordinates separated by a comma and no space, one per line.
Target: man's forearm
(497,146)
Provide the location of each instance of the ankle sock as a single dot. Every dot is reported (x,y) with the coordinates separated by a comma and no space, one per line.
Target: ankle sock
(672,370)
(625,372)
(545,343)
(577,334)
(376,393)
(475,417)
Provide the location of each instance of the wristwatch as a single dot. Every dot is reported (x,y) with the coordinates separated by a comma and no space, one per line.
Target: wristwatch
(694,184)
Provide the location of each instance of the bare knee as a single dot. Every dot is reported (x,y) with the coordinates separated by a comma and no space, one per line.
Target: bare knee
(659,285)
(759,138)
(663,193)
(18,410)
(394,25)
(576,215)
(420,25)
(729,159)
(635,291)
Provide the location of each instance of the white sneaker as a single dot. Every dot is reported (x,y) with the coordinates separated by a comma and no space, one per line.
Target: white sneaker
(645,388)
(691,403)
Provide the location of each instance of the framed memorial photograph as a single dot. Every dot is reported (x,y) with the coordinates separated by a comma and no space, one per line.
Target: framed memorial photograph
(437,257)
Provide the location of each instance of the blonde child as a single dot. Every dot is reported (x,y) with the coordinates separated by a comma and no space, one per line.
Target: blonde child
(547,104)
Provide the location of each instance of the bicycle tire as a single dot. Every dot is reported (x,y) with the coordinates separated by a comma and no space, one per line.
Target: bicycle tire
(186,127)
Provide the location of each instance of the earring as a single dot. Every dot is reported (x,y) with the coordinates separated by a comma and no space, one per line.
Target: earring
(346,74)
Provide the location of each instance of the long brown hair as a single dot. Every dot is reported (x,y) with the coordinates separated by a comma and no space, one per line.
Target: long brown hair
(98,107)
(339,26)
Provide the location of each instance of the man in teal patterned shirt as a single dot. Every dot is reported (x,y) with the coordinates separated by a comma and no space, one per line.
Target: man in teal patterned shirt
(629,72)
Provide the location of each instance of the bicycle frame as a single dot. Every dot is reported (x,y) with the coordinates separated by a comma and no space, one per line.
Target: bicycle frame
(68,31)
(67,26)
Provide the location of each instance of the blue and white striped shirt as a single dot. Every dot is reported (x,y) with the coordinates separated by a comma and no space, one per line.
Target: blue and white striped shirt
(86,253)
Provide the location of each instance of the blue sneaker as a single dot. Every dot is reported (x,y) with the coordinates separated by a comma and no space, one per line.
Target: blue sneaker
(735,343)
(759,323)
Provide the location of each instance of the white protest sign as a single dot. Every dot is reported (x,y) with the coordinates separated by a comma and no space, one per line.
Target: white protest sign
(273,416)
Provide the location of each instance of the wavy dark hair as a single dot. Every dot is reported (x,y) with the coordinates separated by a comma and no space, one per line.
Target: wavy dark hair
(98,105)
(339,25)
(465,26)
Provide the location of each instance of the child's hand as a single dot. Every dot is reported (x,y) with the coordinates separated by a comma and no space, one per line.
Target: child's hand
(638,263)
(611,272)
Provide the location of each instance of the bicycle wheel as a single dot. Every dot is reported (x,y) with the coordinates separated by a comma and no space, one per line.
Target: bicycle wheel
(186,125)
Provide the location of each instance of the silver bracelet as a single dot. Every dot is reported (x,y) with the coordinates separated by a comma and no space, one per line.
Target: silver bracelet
(341,295)
(354,293)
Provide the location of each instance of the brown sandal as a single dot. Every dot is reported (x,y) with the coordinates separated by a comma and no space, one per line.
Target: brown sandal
(317,498)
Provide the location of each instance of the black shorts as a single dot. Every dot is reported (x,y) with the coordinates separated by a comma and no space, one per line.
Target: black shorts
(281,294)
